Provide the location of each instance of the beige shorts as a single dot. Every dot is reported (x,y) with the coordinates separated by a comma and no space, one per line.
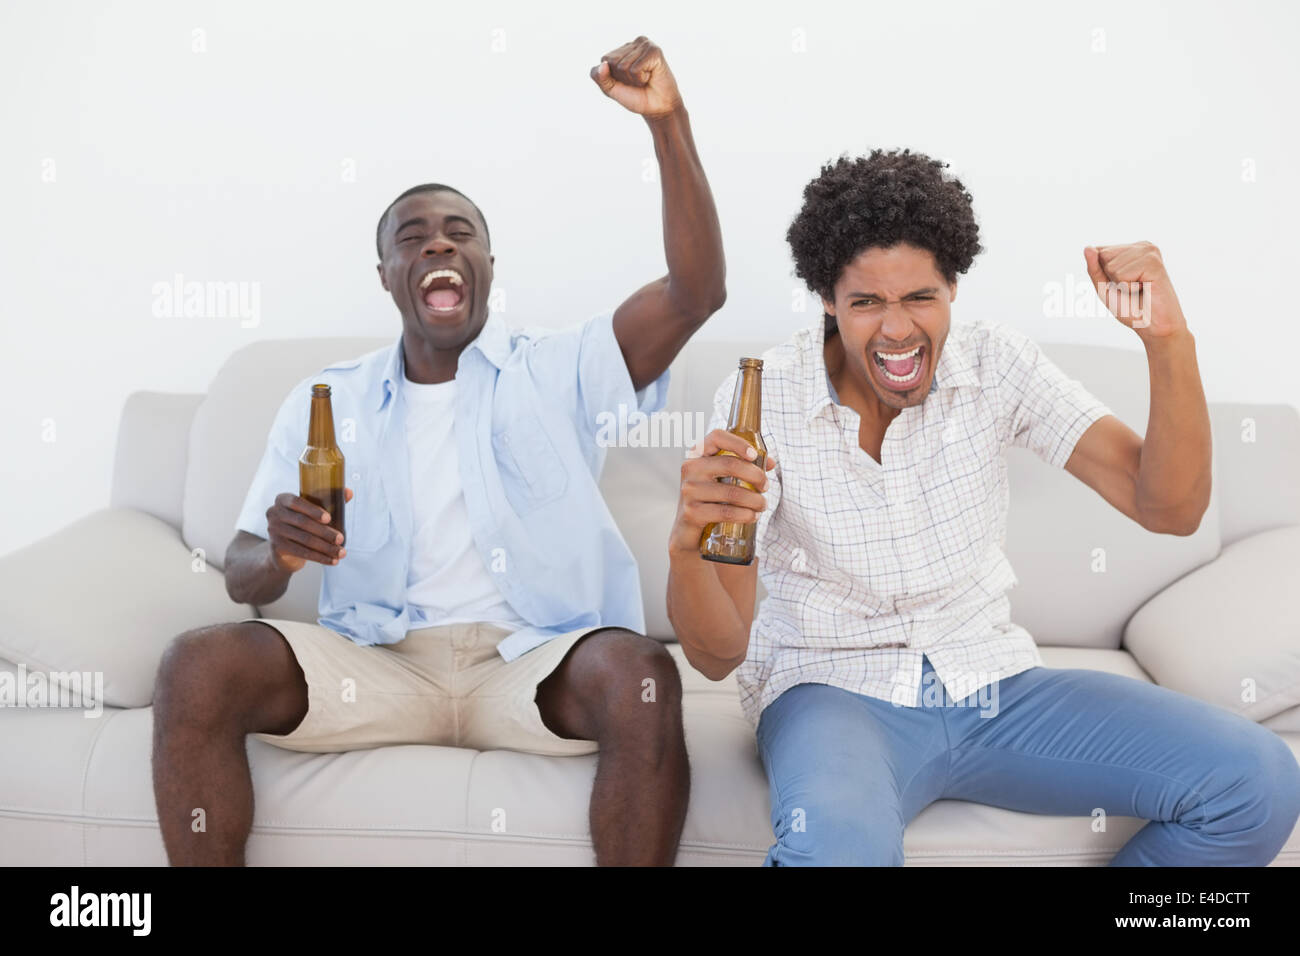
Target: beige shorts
(440,685)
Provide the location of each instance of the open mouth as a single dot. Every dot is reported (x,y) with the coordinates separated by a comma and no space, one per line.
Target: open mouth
(901,370)
(443,290)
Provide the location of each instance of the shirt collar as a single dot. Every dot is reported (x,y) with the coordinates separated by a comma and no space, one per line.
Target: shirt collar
(953,371)
(493,340)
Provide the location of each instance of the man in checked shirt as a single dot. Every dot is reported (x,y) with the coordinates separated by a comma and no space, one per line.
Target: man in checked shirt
(880,532)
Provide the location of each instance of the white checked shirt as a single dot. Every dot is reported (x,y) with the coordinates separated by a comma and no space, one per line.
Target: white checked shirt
(869,565)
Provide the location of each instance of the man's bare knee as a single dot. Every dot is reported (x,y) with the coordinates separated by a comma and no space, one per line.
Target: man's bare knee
(241,676)
(602,687)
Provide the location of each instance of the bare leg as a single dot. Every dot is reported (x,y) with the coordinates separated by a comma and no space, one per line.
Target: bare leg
(599,692)
(215,685)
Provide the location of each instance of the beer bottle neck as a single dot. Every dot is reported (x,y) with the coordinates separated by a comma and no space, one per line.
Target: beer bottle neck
(746,406)
(320,430)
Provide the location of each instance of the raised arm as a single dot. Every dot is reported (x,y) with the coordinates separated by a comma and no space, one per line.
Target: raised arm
(658,319)
(1161,481)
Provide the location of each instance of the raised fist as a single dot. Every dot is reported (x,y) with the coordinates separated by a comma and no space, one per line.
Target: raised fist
(1132,282)
(636,76)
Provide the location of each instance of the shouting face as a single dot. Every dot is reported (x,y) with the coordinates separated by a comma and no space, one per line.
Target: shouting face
(436,264)
(892,308)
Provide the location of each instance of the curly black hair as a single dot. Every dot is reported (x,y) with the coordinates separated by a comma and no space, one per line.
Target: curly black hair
(878,201)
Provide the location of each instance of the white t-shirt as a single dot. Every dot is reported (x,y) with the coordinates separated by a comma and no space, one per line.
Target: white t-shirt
(447,579)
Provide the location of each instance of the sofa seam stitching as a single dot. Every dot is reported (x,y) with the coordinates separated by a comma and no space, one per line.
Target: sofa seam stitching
(85,777)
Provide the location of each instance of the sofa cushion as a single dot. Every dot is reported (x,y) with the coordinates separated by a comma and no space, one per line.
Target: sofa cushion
(1095,659)
(42,794)
(1286,722)
(149,463)
(423,805)
(105,595)
(1229,633)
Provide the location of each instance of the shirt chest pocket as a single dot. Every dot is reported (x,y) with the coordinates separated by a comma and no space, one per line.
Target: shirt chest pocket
(532,471)
(366,518)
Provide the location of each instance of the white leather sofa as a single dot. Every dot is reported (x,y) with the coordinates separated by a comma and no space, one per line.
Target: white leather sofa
(1214,614)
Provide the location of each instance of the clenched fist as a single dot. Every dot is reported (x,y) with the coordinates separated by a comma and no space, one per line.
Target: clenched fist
(1132,282)
(637,77)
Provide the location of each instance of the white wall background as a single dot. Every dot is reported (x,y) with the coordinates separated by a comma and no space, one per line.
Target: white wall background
(130,157)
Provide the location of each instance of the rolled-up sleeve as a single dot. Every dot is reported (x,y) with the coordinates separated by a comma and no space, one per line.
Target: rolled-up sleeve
(1040,407)
(603,377)
(277,472)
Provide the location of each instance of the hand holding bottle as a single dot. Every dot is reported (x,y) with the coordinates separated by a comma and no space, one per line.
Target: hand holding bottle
(300,531)
(705,500)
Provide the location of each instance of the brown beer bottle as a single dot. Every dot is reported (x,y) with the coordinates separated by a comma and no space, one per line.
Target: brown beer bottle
(728,541)
(320,468)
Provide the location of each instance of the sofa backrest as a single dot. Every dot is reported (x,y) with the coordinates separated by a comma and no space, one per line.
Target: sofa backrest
(1083,567)
(1257,451)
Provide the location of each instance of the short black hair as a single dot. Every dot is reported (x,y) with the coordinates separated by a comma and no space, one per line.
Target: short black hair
(427,188)
(878,201)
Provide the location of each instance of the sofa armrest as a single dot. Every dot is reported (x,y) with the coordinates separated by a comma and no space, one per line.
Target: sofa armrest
(152,445)
(99,601)
(1229,632)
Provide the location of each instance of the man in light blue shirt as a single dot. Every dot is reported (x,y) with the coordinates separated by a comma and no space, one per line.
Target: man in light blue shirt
(479,593)
(525,422)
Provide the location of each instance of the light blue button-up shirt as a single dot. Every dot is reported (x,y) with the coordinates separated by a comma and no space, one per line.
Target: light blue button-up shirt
(527,403)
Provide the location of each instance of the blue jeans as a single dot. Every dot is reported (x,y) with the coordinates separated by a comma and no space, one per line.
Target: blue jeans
(847,772)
